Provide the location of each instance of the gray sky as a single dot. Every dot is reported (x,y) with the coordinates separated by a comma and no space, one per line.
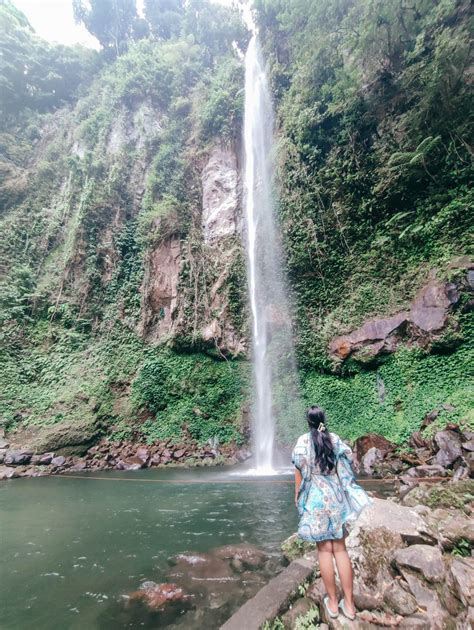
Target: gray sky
(53,20)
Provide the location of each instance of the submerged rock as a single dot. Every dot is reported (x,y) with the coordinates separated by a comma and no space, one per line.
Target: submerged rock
(249,556)
(157,597)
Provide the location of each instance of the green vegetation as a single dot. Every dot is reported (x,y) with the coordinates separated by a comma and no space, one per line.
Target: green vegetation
(116,174)
(190,393)
(375,157)
(101,159)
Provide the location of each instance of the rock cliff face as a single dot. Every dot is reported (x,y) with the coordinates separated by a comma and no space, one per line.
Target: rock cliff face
(164,290)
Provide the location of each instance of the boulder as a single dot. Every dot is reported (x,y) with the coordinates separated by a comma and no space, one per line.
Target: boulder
(427,470)
(130,463)
(449,444)
(366,598)
(425,559)
(17,457)
(373,337)
(299,609)
(430,308)
(7,472)
(427,599)
(370,459)
(462,570)
(143,454)
(399,600)
(79,465)
(58,461)
(394,518)
(372,440)
(4,444)
(42,460)
(199,566)
(453,529)
(468,445)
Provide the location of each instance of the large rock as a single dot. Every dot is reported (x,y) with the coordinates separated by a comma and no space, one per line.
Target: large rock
(130,463)
(299,609)
(373,337)
(394,518)
(462,570)
(8,472)
(428,599)
(372,440)
(17,458)
(219,195)
(449,444)
(370,459)
(399,600)
(159,288)
(454,529)
(425,559)
(427,316)
(430,308)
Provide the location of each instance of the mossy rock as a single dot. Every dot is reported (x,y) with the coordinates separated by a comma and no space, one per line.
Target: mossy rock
(293,547)
(442,495)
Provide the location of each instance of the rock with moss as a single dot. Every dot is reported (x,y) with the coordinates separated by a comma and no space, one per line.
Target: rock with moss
(294,547)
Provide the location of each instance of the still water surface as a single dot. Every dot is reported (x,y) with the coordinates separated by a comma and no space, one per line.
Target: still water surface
(71,547)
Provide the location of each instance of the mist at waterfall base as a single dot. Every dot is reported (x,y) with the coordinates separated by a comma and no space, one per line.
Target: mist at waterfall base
(275,381)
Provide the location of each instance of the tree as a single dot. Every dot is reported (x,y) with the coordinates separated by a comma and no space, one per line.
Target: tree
(165,17)
(111,21)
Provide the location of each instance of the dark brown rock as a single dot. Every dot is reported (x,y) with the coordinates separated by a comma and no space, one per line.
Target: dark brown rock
(156,597)
(449,444)
(373,336)
(372,440)
(430,308)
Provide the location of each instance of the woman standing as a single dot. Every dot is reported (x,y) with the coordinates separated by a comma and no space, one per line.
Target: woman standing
(327,498)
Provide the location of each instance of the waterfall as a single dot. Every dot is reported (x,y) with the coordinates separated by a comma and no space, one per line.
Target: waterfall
(274,372)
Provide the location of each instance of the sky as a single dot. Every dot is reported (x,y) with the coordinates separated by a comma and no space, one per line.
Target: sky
(53,20)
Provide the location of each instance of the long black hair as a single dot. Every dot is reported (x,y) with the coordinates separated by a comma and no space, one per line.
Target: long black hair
(325,457)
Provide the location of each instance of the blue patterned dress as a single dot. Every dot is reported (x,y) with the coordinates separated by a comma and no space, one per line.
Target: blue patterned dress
(326,503)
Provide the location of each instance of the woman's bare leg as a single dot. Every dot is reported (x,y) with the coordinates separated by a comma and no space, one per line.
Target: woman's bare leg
(326,566)
(344,569)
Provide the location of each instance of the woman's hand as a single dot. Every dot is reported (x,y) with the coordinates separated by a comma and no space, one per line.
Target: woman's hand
(298,480)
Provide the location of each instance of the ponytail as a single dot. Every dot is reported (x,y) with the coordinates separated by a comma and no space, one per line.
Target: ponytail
(325,457)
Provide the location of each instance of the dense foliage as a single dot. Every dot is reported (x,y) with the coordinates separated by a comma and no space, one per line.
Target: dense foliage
(376,157)
(101,157)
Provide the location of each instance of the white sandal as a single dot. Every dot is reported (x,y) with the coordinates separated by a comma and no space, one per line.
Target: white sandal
(342,606)
(333,615)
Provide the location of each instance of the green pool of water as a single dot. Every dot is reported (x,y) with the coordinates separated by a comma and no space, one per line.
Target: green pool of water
(71,547)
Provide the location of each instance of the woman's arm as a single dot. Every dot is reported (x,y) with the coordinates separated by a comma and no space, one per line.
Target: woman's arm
(298,480)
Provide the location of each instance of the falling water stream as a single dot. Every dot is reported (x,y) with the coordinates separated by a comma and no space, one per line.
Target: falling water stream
(274,371)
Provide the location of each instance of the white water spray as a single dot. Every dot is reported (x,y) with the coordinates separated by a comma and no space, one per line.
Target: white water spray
(274,372)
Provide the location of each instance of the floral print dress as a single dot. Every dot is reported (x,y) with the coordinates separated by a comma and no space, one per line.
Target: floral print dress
(326,503)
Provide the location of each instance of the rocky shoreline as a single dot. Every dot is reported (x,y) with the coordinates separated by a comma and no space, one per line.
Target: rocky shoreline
(113,455)
(413,568)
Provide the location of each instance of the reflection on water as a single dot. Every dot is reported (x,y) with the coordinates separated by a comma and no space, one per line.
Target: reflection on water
(71,547)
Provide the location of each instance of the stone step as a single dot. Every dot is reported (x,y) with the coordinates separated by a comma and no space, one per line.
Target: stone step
(273,598)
